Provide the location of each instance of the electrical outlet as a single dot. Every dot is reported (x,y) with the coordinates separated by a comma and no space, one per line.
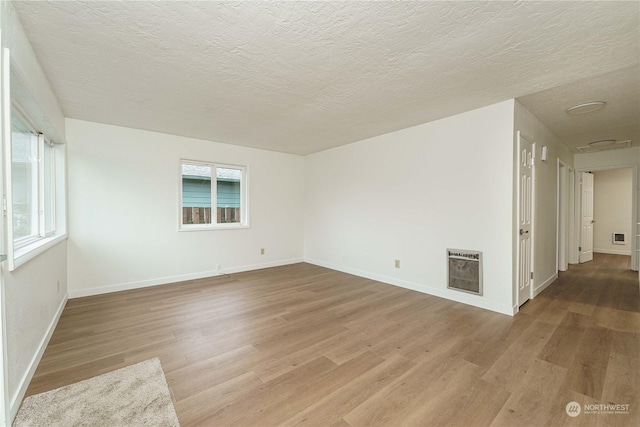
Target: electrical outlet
(261,251)
(397,263)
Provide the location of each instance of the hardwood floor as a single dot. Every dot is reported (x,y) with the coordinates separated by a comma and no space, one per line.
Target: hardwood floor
(304,345)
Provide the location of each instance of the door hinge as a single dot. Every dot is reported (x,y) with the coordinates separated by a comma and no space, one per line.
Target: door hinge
(579,248)
(532,275)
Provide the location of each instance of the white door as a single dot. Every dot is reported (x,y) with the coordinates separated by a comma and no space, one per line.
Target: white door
(525,218)
(586,217)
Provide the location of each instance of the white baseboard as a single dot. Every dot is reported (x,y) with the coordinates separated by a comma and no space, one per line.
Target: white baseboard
(612,251)
(542,286)
(79,293)
(474,300)
(252,267)
(16,399)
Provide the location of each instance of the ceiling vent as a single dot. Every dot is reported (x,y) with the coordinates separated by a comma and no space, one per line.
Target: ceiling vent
(611,144)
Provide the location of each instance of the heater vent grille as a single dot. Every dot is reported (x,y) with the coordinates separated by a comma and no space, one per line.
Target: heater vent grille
(618,239)
(464,270)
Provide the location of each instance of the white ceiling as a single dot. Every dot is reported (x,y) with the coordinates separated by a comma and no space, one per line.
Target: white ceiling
(619,120)
(301,77)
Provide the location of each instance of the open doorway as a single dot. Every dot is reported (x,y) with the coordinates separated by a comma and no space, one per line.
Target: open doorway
(614,228)
(612,207)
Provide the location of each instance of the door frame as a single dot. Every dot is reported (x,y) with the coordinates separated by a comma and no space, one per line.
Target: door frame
(520,135)
(634,204)
(5,121)
(564,215)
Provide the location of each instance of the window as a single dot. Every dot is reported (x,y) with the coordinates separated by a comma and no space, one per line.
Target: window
(34,201)
(24,183)
(212,196)
(33,184)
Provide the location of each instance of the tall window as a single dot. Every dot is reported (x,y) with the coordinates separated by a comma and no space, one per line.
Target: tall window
(24,183)
(212,195)
(33,184)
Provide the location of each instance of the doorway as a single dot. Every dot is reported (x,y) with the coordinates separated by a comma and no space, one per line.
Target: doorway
(615,208)
(612,209)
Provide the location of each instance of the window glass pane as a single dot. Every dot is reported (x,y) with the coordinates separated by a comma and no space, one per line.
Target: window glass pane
(24,185)
(196,194)
(48,159)
(229,195)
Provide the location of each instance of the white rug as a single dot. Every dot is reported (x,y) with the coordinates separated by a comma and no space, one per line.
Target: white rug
(137,395)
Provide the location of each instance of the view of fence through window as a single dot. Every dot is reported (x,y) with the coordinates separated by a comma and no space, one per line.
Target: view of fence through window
(198,197)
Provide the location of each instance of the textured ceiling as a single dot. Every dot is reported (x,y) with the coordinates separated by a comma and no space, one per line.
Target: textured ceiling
(301,77)
(619,120)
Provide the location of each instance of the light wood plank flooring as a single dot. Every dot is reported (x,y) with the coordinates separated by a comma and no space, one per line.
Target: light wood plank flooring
(304,345)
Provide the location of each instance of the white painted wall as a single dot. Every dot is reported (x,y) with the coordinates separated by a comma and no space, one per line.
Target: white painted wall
(612,210)
(546,218)
(410,195)
(33,301)
(34,305)
(123,210)
(612,159)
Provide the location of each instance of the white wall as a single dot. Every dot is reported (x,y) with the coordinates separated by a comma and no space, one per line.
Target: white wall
(123,210)
(410,195)
(33,299)
(612,210)
(546,218)
(612,159)
(33,306)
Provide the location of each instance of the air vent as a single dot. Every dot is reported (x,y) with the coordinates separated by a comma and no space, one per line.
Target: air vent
(464,271)
(604,145)
(619,239)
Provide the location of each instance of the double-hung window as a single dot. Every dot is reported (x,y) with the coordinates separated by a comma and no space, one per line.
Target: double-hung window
(212,196)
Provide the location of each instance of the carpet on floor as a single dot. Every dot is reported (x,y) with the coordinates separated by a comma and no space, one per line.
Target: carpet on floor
(137,395)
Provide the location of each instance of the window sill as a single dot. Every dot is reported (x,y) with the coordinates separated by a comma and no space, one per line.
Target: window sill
(213,227)
(32,250)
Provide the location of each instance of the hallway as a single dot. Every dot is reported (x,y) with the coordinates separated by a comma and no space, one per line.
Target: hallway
(596,307)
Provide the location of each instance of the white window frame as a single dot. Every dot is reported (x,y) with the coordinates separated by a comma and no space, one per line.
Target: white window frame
(36,184)
(19,251)
(48,145)
(244,198)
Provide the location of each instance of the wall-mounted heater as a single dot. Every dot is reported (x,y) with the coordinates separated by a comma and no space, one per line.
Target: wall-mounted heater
(464,271)
(618,239)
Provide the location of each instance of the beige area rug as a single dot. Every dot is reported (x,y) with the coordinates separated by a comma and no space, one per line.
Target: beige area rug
(137,395)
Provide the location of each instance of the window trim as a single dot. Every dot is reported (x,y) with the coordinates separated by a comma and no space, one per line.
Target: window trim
(48,145)
(244,197)
(20,251)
